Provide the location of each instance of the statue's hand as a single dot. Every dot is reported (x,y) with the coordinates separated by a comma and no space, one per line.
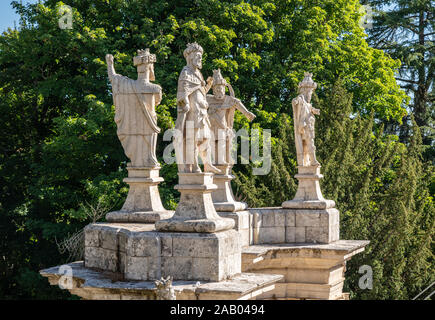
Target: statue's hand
(109,59)
(316,111)
(186,108)
(251,116)
(210,81)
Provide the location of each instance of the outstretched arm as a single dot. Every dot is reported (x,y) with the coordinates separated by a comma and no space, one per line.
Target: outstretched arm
(315,111)
(110,66)
(239,106)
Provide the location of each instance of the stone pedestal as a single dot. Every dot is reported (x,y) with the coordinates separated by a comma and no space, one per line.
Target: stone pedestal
(139,252)
(223,197)
(315,218)
(195,211)
(280,225)
(310,271)
(143,203)
(309,195)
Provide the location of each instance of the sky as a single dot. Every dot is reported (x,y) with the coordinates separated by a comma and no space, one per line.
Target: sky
(8,15)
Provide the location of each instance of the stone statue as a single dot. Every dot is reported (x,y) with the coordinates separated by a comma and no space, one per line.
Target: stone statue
(165,290)
(195,212)
(303,115)
(136,120)
(135,116)
(221,115)
(193,125)
(309,195)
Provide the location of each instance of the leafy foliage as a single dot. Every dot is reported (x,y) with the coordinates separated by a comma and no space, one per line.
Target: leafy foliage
(59,150)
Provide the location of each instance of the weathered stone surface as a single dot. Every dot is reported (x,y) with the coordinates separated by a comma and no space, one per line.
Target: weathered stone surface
(91,284)
(195,211)
(280,225)
(311,271)
(139,252)
(242,221)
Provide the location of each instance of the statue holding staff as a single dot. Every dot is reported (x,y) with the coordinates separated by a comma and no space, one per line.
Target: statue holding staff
(304,120)
(221,113)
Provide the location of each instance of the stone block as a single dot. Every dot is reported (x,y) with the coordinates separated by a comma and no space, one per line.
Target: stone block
(290,218)
(166,243)
(144,244)
(271,235)
(290,234)
(101,258)
(308,218)
(136,268)
(317,235)
(207,268)
(92,237)
(300,234)
(180,268)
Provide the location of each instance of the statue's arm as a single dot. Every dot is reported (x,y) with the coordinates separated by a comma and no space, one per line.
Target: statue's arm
(110,67)
(209,84)
(315,111)
(183,96)
(240,106)
(296,104)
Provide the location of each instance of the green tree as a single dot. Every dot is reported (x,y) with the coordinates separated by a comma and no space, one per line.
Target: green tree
(59,149)
(405,30)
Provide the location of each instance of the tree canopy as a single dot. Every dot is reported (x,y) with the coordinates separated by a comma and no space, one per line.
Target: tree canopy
(60,153)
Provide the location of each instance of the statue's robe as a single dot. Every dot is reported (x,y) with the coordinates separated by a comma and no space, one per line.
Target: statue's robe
(304,130)
(221,114)
(136,119)
(191,87)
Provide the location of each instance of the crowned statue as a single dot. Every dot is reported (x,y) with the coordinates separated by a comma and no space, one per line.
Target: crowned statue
(136,121)
(193,125)
(221,113)
(135,116)
(304,120)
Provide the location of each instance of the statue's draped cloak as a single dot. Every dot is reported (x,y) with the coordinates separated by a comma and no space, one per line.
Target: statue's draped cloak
(188,82)
(301,113)
(134,101)
(222,113)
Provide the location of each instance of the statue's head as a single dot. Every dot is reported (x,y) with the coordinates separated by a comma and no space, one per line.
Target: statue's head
(193,55)
(144,61)
(307,86)
(219,84)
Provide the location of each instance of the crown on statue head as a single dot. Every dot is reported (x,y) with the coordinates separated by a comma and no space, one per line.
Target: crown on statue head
(144,57)
(192,47)
(308,82)
(217,78)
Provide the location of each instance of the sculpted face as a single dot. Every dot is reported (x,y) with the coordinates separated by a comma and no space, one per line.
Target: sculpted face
(196,59)
(219,91)
(146,71)
(308,93)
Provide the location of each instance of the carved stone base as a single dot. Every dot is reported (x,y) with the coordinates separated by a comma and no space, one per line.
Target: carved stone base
(143,203)
(223,197)
(139,252)
(311,271)
(280,225)
(309,195)
(195,211)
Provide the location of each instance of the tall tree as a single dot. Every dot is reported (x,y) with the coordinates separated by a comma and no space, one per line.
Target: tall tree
(405,29)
